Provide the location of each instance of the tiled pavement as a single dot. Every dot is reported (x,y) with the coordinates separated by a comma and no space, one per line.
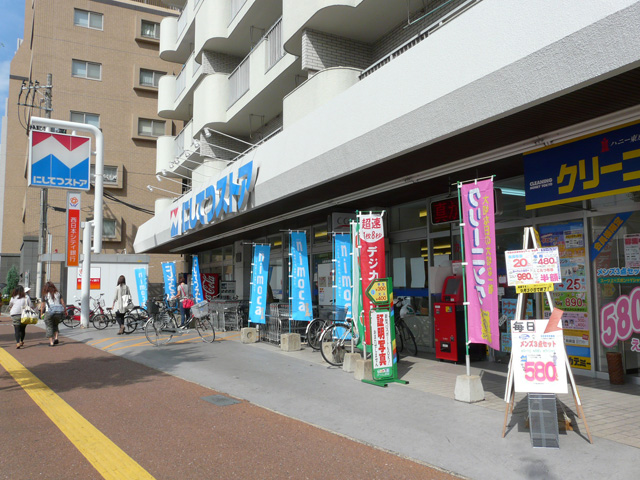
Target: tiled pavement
(611,411)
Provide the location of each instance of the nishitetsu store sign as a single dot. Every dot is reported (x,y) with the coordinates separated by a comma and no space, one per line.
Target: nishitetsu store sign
(59,161)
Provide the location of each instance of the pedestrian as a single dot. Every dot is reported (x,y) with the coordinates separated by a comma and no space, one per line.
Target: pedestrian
(123,301)
(182,295)
(52,307)
(19,300)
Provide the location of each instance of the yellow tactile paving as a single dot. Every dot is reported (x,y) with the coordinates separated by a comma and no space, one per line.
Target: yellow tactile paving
(105,456)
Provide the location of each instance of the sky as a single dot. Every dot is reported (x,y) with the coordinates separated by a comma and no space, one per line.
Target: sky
(11,28)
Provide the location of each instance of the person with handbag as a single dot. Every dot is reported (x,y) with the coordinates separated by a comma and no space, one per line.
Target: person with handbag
(19,301)
(52,307)
(185,302)
(122,302)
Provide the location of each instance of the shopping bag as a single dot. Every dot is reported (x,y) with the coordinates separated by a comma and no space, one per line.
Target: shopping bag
(127,302)
(187,303)
(28,316)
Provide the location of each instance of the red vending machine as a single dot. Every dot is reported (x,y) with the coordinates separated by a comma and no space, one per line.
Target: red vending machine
(449,338)
(448,321)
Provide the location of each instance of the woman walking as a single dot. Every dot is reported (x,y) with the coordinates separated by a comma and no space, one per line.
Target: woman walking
(52,306)
(121,301)
(17,303)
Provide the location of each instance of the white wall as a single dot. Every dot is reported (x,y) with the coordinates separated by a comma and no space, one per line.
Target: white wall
(109,274)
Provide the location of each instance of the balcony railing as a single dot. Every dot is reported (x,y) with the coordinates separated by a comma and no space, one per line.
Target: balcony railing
(275,50)
(239,81)
(236,6)
(181,81)
(182,21)
(179,143)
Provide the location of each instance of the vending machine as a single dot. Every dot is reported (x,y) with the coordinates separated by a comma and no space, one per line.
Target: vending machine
(448,320)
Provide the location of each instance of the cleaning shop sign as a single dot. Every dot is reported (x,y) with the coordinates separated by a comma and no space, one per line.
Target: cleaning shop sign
(225,196)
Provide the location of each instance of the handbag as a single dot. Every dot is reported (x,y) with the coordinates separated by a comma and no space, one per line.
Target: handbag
(187,303)
(127,302)
(28,316)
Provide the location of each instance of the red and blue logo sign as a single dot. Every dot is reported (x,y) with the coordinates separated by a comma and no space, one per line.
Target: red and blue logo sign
(59,161)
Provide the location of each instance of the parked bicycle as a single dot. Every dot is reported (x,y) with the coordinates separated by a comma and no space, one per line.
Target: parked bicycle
(162,324)
(405,338)
(340,337)
(135,318)
(317,326)
(72,317)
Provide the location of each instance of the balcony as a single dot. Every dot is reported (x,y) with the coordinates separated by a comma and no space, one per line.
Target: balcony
(228,29)
(177,35)
(178,156)
(256,87)
(317,91)
(175,94)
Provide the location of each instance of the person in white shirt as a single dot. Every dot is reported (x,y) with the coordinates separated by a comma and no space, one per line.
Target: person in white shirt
(53,304)
(19,300)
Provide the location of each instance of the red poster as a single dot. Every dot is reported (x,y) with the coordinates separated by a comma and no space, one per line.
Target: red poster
(73,229)
(210,285)
(372,259)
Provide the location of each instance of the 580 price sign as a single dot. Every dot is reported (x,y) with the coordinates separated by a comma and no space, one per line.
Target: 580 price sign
(540,365)
(532,266)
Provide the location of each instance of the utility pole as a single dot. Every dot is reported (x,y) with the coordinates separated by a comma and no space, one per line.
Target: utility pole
(44,194)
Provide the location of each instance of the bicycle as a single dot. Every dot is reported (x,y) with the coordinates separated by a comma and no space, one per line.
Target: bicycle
(405,338)
(162,324)
(317,326)
(340,335)
(72,317)
(134,318)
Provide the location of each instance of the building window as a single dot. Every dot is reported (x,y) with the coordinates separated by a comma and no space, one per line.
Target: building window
(82,18)
(109,174)
(82,69)
(150,78)
(88,118)
(150,30)
(150,128)
(108,228)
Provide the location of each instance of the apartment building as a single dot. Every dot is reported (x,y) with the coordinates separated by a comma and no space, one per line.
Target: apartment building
(296,112)
(102,56)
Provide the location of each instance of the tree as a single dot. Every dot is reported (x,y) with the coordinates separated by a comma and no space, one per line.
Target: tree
(13,277)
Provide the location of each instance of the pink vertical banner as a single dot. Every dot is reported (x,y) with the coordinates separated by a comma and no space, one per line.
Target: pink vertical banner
(478,214)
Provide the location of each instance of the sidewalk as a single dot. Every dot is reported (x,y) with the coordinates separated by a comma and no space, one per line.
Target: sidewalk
(420,421)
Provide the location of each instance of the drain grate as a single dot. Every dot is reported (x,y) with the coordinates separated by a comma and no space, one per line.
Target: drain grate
(220,400)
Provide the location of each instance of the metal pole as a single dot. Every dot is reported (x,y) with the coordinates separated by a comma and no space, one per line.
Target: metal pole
(467,359)
(44,197)
(86,273)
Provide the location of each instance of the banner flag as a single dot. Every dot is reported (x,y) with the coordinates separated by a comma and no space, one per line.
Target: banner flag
(300,284)
(73,229)
(356,296)
(342,275)
(170,280)
(196,284)
(477,204)
(372,259)
(259,282)
(141,283)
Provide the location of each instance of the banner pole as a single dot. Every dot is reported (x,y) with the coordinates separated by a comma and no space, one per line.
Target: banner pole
(467,359)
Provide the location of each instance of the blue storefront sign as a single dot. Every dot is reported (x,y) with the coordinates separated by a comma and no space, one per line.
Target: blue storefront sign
(196,283)
(300,284)
(259,284)
(170,282)
(602,164)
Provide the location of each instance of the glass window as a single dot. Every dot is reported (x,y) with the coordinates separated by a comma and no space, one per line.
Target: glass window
(109,174)
(84,69)
(411,215)
(150,78)
(320,234)
(150,128)
(85,19)
(150,29)
(88,118)
(108,227)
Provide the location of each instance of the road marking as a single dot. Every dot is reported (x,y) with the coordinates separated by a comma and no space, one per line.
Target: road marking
(106,457)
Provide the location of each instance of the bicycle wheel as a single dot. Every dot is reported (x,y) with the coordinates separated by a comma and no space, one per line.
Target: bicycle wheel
(399,341)
(409,341)
(159,330)
(139,313)
(314,330)
(130,324)
(71,317)
(100,321)
(333,342)
(205,329)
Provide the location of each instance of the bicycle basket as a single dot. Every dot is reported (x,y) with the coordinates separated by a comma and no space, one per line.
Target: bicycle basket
(200,309)
(153,308)
(172,302)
